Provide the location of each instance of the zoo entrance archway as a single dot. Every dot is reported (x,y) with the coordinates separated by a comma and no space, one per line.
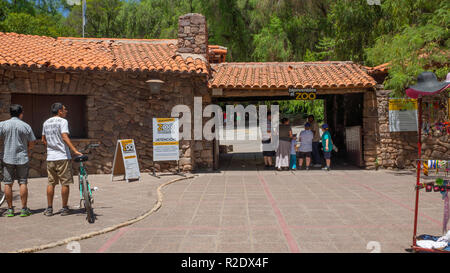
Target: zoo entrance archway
(347,93)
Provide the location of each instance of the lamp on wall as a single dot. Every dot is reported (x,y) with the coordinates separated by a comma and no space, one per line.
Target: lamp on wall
(155,86)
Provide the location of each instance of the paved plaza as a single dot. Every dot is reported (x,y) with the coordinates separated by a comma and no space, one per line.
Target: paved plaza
(246,210)
(241,208)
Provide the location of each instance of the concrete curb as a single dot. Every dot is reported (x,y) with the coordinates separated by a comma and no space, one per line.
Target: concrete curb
(156,207)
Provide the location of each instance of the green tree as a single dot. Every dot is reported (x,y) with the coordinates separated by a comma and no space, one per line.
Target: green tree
(353,25)
(27,24)
(272,44)
(226,26)
(4,10)
(22,6)
(420,43)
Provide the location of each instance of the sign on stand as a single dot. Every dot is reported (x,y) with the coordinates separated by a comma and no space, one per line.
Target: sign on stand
(125,161)
(166,140)
(403,115)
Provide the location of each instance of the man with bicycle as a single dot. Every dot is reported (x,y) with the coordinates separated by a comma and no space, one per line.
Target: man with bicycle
(18,142)
(55,135)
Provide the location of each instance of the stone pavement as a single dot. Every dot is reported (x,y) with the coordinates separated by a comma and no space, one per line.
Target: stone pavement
(246,209)
(115,202)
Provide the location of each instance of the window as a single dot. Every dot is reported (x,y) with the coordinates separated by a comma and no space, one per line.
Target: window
(36,110)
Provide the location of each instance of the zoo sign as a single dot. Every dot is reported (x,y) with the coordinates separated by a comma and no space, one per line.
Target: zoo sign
(165,139)
(303,94)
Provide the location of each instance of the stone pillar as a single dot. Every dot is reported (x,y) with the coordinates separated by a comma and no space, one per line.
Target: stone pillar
(192,34)
(370,129)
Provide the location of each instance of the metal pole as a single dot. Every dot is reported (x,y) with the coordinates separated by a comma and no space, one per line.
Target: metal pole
(83,8)
(419,152)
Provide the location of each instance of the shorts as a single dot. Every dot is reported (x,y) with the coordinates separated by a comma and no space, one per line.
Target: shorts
(327,155)
(15,172)
(303,154)
(267,153)
(60,172)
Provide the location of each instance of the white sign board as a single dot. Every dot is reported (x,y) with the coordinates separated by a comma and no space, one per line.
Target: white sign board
(403,115)
(165,139)
(125,160)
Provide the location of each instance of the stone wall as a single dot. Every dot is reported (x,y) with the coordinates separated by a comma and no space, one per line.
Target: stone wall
(370,129)
(119,106)
(399,149)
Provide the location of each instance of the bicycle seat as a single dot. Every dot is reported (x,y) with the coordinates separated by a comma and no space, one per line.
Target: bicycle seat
(81,158)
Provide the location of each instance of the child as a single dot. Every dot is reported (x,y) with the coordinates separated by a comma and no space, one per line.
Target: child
(327,145)
(293,161)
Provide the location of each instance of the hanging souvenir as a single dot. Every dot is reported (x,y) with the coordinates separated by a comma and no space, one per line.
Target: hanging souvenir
(425,168)
(447,127)
(431,164)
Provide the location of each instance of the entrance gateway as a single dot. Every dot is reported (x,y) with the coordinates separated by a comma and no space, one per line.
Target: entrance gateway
(347,92)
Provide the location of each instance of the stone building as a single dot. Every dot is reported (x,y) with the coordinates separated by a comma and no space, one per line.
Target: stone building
(103,83)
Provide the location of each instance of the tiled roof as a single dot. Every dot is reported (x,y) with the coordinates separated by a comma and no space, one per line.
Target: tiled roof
(65,53)
(332,75)
(217,54)
(379,69)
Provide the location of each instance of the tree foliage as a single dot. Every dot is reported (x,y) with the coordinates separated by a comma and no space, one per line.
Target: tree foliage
(412,35)
(272,44)
(414,44)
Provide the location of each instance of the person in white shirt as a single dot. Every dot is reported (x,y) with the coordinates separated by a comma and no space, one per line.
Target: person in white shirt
(306,140)
(55,135)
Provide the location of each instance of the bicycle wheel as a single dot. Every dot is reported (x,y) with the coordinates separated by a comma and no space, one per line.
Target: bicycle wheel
(87,202)
(2,197)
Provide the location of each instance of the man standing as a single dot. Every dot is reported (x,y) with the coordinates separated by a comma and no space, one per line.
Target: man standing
(18,142)
(55,135)
(306,138)
(315,142)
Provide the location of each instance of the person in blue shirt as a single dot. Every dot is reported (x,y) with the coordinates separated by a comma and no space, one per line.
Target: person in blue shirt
(327,145)
(18,142)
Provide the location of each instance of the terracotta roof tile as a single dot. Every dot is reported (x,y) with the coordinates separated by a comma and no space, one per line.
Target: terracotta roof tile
(31,51)
(289,75)
(379,69)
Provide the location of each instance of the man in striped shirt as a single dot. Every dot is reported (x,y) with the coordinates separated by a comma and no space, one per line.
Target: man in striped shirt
(18,142)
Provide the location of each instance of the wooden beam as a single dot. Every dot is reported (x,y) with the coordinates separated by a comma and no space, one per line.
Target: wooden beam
(283,92)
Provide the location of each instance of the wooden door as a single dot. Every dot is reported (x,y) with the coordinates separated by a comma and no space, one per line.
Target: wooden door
(37,110)
(353,141)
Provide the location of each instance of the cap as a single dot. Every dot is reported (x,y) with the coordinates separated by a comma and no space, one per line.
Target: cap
(307,124)
(324,126)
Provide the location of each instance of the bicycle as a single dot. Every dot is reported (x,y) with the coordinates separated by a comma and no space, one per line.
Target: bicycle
(2,197)
(85,189)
